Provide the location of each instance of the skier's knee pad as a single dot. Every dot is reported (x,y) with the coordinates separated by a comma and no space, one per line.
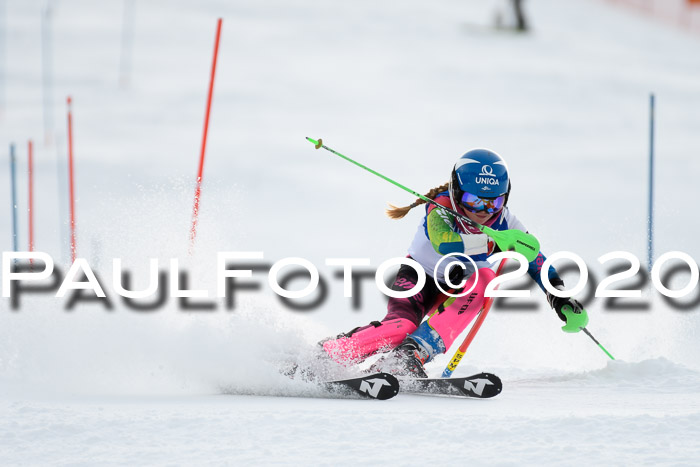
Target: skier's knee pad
(438,332)
(365,342)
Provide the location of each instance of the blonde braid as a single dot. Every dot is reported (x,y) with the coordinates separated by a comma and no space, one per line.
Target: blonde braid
(397,213)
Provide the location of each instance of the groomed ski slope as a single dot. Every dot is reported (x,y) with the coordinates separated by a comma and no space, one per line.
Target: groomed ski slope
(405,87)
(625,413)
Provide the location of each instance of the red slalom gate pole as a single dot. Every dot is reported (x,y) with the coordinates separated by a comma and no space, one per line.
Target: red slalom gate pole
(450,368)
(30,166)
(198,188)
(71,182)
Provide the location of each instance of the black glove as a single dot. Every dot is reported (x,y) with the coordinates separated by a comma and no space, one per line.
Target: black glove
(569,310)
(557,303)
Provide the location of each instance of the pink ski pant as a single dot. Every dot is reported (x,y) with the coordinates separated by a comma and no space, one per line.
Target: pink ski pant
(405,314)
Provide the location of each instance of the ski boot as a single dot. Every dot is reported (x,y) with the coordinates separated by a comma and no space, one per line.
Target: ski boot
(405,360)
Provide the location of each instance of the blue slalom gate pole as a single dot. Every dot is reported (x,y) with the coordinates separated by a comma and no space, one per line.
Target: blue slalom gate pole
(13,185)
(650,224)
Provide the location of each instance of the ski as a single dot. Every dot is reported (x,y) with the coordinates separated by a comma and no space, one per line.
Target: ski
(481,386)
(381,386)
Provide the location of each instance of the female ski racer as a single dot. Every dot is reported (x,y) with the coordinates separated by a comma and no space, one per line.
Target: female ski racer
(479,188)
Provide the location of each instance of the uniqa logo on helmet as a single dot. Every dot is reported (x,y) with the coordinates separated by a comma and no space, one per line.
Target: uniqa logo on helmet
(486,177)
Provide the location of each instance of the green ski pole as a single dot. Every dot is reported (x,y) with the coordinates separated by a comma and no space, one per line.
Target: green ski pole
(596,341)
(521,242)
(577,321)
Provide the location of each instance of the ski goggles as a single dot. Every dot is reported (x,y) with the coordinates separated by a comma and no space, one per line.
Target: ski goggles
(474,203)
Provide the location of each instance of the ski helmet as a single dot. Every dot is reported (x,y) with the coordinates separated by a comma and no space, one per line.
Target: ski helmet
(480,175)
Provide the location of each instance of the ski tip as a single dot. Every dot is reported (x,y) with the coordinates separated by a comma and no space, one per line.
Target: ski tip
(391,390)
(380,386)
(495,388)
(478,386)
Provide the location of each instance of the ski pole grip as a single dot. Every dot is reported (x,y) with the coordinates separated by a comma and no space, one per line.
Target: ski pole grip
(317,144)
(574,321)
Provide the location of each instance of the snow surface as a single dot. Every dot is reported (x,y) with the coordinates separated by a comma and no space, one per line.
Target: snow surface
(404,87)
